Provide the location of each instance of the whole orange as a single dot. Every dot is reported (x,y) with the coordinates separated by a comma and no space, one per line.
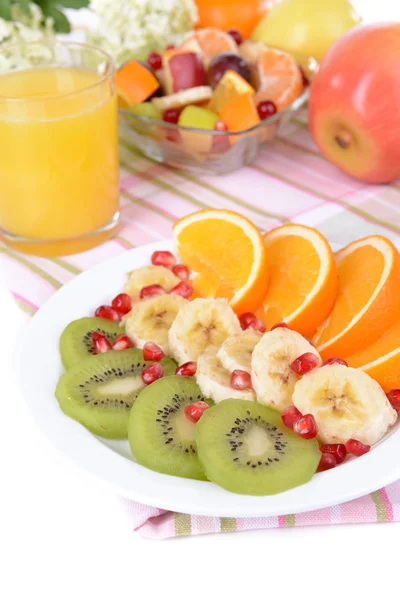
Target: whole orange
(226,14)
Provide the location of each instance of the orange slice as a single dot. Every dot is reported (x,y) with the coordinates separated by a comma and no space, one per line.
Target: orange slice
(230,86)
(212,41)
(240,113)
(227,253)
(134,84)
(368,301)
(279,77)
(381,360)
(303,280)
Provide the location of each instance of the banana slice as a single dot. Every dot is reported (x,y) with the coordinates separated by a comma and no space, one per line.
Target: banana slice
(236,351)
(273,379)
(215,381)
(150,320)
(346,403)
(140,278)
(199,324)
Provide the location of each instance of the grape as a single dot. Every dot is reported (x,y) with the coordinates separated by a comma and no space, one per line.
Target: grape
(227,61)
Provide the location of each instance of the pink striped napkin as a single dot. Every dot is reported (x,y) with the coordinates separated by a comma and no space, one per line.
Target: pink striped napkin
(288,181)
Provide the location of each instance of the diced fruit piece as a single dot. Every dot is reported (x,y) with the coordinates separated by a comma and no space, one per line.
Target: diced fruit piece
(122,303)
(305,363)
(196,95)
(107,312)
(240,380)
(154,61)
(335,360)
(181,271)
(145,109)
(394,399)
(246,319)
(198,117)
(279,326)
(188,369)
(100,342)
(280,80)
(183,72)
(290,415)
(122,342)
(305,427)
(266,109)
(213,41)
(230,86)
(237,36)
(258,325)
(357,448)
(163,258)
(134,83)
(328,461)
(151,373)
(240,113)
(338,450)
(196,410)
(182,289)
(152,352)
(226,61)
(171,115)
(152,290)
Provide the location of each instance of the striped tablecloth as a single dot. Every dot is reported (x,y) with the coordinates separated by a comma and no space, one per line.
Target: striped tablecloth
(288,181)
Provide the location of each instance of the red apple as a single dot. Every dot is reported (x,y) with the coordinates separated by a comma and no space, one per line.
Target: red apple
(184,71)
(355,103)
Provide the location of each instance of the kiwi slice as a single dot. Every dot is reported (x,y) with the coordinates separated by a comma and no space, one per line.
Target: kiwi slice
(100,391)
(161,437)
(76,339)
(245,448)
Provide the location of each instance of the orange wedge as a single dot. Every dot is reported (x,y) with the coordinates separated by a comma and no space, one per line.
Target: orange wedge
(240,113)
(381,360)
(230,86)
(228,254)
(134,84)
(368,301)
(303,279)
(279,78)
(212,41)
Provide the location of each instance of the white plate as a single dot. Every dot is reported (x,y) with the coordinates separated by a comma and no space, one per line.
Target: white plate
(39,368)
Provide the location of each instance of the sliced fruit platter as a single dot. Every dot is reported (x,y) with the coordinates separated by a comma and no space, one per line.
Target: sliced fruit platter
(255,363)
(198,100)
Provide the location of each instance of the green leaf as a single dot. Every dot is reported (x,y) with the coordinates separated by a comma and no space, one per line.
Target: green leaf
(25,7)
(5,10)
(61,23)
(73,3)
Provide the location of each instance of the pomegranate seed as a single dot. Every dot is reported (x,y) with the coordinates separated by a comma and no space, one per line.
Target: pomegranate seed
(152,290)
(122,304)
(266,109)
(100,342)
(258,325)
(194,411)
(152,352)
(304,363)
(171,115)
(303,76)
(163,258)
(187,369)
(335,360)
(107,312)
(328,461)
(338,450)
(236,35)
(181,271)
(182,289)
(305,427)
(152,373)
(240,380)
(154,60)
(357,448)
(122,342)
(290,415)
(394,398)
(220,126)
(246,319)
(280,326)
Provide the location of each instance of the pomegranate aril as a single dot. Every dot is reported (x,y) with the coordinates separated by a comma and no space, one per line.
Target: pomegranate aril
(290,415)
(258,325)
(236,35)
(152,290)
(328,461)
(246,319)
(163,258)
(240,380)
(122,342)
(107,312)
(152,352)
(182,289)
(394,398)
(171,115)
(338,450)
(187,369)
(195,411)
(335,360)
(122,304)
(305,427)
(100,343)
(152,373)
(181,271)
(357,448)
(279,326)
(220,126)
(266,109)
(154,60)
(304,363)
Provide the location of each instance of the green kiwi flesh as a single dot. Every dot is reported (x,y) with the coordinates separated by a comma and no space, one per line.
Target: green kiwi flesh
(100,391)
(245,448)
(76,339)
(160,436)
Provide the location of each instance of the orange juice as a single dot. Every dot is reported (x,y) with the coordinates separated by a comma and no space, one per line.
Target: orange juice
(59,158)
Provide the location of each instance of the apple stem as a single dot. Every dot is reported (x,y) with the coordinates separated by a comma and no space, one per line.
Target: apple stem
(343,139)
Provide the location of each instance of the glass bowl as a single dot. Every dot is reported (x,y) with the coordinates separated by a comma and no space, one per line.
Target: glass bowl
(200,151)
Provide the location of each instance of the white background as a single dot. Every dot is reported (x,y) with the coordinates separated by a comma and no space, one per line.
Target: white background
(63,537)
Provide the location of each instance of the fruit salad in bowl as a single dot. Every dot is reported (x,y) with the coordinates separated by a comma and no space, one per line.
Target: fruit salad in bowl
(208,104)
(189,365)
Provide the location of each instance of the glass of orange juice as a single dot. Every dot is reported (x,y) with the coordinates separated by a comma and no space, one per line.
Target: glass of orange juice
(59,188)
